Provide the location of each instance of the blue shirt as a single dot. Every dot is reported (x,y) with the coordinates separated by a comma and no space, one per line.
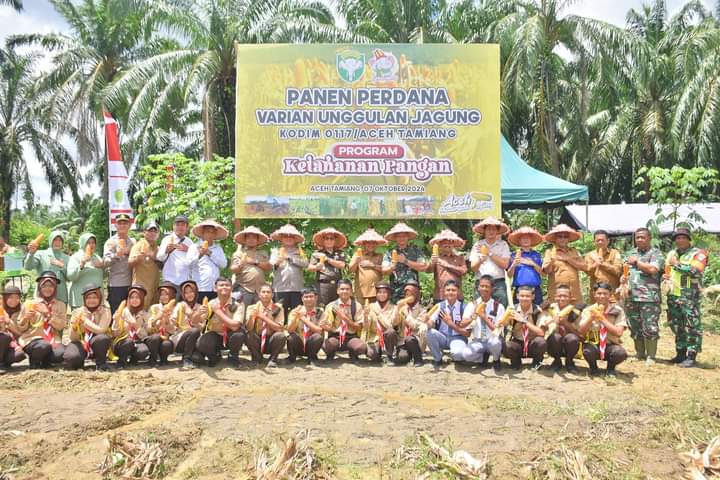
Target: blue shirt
(525,274)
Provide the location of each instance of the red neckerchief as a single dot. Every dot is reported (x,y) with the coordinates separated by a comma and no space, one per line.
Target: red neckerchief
(343,324)
(306,329)
(48,334)
(263,334)
(603,336)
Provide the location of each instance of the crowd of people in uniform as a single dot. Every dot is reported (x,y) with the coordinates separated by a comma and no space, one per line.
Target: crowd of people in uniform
(170,297)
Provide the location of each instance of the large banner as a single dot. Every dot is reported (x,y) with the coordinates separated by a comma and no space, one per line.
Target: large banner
(368,131)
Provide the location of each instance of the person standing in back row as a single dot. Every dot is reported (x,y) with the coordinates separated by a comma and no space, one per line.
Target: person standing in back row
(174,252)
(491,256)
(115,257)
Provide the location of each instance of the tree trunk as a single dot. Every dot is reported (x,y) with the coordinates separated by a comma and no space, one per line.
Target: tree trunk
(6,212)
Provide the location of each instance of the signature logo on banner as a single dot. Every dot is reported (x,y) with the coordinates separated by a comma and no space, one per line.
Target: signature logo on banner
(471,201)
(350,65)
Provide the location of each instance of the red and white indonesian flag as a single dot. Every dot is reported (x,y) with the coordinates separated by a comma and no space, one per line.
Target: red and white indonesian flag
(117,174)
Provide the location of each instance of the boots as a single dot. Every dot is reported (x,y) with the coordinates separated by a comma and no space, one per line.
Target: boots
(680,355)
(689,362)
(640,348)
(651,350)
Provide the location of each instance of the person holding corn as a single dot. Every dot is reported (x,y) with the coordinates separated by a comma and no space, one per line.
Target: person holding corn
(89,331)
(602,325)
(328,263)
(144,263)
(207,257)
(116,253)
(491,256)
(85,267)
(482,315)
(289,263)
(366,264)
(445,263)
(52,259)
(404,262)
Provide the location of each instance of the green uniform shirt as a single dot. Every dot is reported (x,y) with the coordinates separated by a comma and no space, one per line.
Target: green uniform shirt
(644,287)
(40,262)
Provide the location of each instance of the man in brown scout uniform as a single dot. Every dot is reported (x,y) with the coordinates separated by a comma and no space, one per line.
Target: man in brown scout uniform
(528,339)
(305,335)
(144,263)
(224,328)
(602,325)
(249,265)
(445,263)
(410,325)
(343,322)
(89,332)
(604,264)
(265,326)
(40,323)
(328,262)
(562,263)
(366,264)
(561,319)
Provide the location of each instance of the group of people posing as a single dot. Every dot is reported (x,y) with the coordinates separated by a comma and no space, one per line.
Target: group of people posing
(172,298)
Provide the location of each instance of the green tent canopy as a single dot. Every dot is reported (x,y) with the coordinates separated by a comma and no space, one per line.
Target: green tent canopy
(523,186)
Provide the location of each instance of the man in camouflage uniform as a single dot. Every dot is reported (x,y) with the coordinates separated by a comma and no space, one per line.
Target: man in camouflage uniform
(407,262)
(688,264)
(642,305)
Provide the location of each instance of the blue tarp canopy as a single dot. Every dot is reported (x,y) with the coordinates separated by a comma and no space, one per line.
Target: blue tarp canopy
(525,187)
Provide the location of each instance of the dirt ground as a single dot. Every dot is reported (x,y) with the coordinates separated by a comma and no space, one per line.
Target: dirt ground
(212,422)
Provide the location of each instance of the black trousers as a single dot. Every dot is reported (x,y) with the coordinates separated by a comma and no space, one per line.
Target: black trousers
(289,301)
(116,295)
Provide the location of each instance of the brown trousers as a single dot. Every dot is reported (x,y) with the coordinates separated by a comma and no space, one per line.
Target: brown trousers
(9,355)
(352,344)
(127,350)
(42,354)
(296,347)
(559,346)
(187,342)
(614,354)
(160,349)
(75,354)
(274,344)
(514,350)
(410,349)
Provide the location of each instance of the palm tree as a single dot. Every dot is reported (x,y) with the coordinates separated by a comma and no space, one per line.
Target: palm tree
(106,37)
(16,4)
(201,70)
(25,123)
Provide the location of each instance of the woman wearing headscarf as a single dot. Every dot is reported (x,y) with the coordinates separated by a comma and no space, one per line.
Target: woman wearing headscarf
(89,332)
(85,267)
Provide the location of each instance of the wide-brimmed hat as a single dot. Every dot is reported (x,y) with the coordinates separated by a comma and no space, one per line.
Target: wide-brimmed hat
(383,284)
(562,228)
(448,235)
(411,283)
(288,229)
(369,236)
(197,230)
(535,236)
(399,228)
(251,230)
(490,222)
(47,275)
(340,238)
(681,231)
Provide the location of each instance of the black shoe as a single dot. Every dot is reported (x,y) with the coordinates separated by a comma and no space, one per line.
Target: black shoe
(188,364)
(103,367)
(610,372)
(689,362)
(437,364)
(152,362)
(497,366)
(556,364)
(680,356)
(416,363)
(594,371)
(292,359)
(536,364)
(570,367)
(516,365)
(234,360)
(212,361)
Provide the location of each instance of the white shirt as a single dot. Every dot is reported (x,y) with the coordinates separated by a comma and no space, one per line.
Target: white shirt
(499,248)
(206,269)
(480,328)
(177,264)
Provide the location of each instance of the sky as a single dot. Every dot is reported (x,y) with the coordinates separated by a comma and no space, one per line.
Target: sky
(40,17)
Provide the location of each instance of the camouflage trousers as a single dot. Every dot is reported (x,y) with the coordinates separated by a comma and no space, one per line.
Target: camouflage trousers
(684,318)
(643,318)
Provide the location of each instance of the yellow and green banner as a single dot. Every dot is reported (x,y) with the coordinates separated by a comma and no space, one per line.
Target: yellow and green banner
(367,131)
